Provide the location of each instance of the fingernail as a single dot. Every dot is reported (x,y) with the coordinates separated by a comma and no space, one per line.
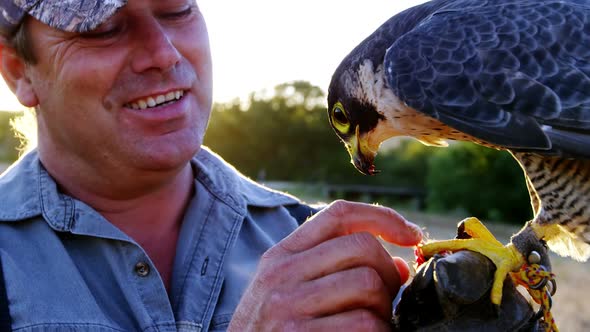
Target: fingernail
(415,229)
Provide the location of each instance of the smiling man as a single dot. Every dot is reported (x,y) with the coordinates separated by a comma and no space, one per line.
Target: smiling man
(121,221)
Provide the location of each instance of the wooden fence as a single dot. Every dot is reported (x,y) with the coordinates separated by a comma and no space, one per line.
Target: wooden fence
(358,192)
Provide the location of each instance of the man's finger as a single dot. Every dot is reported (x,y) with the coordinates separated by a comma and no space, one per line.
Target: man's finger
(347,252)
(354,320)
(402,268)
(343,291)
(343,218)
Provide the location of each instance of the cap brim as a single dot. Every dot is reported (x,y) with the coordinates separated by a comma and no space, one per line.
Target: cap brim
(75,15)
(66,15)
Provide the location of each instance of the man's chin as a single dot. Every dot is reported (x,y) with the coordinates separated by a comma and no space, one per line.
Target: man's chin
(168,157)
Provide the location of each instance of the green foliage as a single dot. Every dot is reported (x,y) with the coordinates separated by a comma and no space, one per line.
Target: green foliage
(8,142)
(485,183)
(287,137)
(405,165)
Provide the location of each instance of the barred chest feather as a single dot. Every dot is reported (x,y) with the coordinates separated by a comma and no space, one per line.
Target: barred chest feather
(560,197)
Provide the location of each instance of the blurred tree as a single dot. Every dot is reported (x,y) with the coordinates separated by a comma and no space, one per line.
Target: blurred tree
(8,142)
(405,165)
(286,136)
(484,182)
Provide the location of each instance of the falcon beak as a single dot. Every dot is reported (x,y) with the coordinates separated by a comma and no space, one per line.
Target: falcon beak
(361,156)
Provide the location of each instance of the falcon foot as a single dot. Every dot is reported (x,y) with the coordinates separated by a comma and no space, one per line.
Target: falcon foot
(474,236)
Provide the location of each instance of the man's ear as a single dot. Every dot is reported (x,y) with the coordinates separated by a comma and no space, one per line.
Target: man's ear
(13,70)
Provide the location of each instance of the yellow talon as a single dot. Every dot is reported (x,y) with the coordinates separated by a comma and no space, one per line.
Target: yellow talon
(476,229)
(505,257)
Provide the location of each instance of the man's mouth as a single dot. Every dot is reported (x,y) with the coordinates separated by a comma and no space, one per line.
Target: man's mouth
(156,100)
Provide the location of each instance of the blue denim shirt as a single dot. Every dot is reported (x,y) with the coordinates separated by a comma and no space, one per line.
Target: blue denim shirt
(67,268)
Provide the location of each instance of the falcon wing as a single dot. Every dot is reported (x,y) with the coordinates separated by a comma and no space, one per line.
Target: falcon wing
(513,73)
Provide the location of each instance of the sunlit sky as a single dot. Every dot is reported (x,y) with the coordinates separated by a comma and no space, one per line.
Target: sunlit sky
(257,44)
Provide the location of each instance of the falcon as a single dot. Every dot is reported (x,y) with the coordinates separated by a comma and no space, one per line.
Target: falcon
(507,74)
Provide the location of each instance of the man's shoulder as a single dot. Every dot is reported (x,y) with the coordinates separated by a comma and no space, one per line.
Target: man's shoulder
(19,189)
(226,182)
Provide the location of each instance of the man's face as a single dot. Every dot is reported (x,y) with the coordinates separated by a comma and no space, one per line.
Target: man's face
(92,89)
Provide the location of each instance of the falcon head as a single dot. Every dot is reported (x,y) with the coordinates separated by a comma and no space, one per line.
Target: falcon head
(364,112)
(363,109)
(355,119)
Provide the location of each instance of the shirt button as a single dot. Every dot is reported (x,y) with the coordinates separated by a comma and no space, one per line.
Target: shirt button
(142,269)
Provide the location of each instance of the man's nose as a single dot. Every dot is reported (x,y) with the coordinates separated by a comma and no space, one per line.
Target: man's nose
(153,48)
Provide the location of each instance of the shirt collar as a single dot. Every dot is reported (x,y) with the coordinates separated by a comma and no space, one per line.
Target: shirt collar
(232,187)
(27,190)
(19,189)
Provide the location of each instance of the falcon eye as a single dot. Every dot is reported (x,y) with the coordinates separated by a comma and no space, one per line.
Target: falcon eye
(339,118)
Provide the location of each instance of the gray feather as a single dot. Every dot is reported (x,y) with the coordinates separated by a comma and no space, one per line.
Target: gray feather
(500,71)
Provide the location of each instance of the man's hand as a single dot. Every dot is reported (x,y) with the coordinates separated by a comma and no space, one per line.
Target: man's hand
(331,273)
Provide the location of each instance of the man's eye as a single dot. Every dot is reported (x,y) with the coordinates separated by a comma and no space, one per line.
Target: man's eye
(181,14)
(102,33)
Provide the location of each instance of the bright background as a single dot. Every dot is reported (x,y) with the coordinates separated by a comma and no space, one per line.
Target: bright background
(257,44)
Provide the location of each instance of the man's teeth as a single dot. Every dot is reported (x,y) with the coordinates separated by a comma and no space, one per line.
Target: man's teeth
(158,100)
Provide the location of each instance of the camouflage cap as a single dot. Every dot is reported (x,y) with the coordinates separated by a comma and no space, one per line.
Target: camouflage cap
(67,15)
